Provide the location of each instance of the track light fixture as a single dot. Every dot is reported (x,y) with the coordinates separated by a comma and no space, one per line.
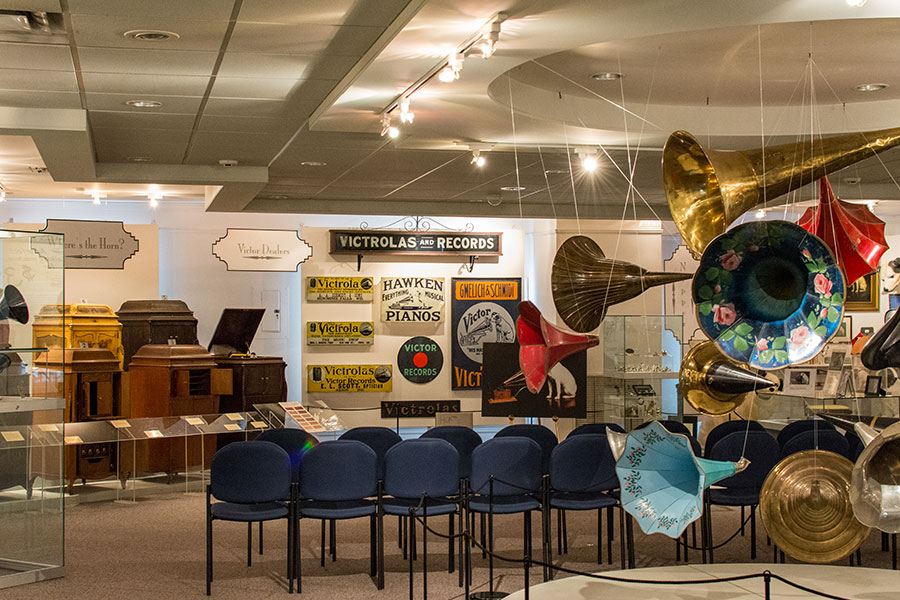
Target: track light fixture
(154,199)
(477,159)
(451,72)
(387,129)
(406,115)
(488,42)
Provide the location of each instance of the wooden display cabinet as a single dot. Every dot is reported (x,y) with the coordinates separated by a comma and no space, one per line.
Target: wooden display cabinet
(155,322)
(77,326)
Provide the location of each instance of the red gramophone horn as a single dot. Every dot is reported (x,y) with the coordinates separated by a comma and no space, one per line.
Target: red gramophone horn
(542,344)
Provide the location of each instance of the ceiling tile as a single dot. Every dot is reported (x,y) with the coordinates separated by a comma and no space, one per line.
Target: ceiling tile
(149,136)
(42,99)
(129,120)
(174,9)
(241,124)
(123,83)
(36,57)
(21,79)
(248,148)
(241,107)
(109,32)
(36,5)
(272,89)
(122,150)
(286,66)
(327,12)
(170,104)
(168,62)
(302,38)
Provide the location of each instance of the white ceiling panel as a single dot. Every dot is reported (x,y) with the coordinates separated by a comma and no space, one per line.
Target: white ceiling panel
(246,87)
(124,83)
(108,32)
(50,81)
(40,99)
(326,12)
(36,57)
(128,120)
(250,149)
(167,62)
(122,150)
(301,38)
(241,124)
(175,9)
(34,5)
(243,64)
(150,136)
(170,104)
(244,107)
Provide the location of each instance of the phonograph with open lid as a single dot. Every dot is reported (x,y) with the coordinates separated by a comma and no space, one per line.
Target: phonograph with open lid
(235,331)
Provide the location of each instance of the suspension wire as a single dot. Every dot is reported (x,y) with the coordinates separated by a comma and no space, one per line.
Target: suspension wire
(512,118)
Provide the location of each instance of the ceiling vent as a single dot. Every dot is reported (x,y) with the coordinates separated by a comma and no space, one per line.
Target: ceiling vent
(23,21)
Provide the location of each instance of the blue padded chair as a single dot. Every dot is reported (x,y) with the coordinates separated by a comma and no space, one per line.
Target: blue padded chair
(723,429)
(582,473)
(854,444)
(545,438)
(595,428)
(742,489)
(464,439)
(507,479)
(822,439)
(792,429)
(252,481)
(673,426)
(420,478)
(338,482)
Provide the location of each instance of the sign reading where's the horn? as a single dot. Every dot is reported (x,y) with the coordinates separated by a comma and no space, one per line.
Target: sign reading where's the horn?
(87,244)
(261,249)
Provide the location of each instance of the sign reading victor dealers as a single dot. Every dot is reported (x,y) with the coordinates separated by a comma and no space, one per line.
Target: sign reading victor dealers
(354,241)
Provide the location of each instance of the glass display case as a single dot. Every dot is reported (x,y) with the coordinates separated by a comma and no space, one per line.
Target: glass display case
(31,413)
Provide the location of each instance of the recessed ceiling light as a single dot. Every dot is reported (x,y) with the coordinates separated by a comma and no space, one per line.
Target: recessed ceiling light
(556,172)
(144,103)
(139,159)
(151,35)
(313,163)
(852,180)
(870,87)
(607,76)
(278,197)
(512,188)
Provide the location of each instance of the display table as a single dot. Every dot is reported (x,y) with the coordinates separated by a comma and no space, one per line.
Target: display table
(847,582)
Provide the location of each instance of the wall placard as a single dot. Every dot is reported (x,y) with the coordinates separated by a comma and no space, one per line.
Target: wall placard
(420,359)
(339,289)
(88,244)
(412,300)
(340,333)
(411,243)
(261,249)
(410,409)
(482,310)
(348,378)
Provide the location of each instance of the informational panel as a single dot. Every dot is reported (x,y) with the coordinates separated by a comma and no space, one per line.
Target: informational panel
(340,333)
(412,299)
(420,359)
(261,249)
(348,378)
(482,311)
(504,392)
(89,244)
(339,289)
(438,243)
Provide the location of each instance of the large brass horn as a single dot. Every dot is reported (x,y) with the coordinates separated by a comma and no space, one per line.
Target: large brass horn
(708,189)
(585,283)
(715,385)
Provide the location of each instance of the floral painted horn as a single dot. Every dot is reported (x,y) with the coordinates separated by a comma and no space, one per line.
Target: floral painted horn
(769,294)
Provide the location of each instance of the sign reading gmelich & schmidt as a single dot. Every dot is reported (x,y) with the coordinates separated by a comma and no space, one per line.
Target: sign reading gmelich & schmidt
(443,243)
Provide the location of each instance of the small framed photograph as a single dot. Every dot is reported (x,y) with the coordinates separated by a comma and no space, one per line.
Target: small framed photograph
(844,331)
(800,382)
(845,383)
(821,375)
(836,360)
(873,385)
(830,389)
(642,389)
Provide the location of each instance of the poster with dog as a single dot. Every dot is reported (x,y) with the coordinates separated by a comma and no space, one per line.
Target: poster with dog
(504,393)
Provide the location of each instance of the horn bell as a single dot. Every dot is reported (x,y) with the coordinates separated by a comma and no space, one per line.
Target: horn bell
(715,385)
(875,482)
(708,189)
(585,283)
(12,305)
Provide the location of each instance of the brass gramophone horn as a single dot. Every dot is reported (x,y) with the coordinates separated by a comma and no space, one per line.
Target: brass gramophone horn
(585,283)
(12,305)
(708,189)
(714,384)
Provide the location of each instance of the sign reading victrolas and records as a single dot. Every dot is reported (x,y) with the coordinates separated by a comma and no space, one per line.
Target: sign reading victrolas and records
(357,241)
(482,310)
(348,378)
(339,289)
(340,333)
(412,300)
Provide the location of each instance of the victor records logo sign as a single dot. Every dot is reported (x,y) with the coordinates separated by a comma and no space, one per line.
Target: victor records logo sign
(420,359)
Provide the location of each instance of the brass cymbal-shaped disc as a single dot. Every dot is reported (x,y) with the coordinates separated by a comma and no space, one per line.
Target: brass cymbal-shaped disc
(714,384)
(805,507)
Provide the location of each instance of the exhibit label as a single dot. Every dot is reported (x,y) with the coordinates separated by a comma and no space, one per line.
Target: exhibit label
(261,249)
(87,244)
(348,378)
(339,289)
(412,300)
(420,359)
(449,243)
(340,333)
(409,409)
(482,310)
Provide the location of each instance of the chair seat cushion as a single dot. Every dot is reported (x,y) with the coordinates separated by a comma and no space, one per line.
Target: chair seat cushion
(504,504)
(265,511)
(734,496)
(581,500)
(338,509)
(400,506)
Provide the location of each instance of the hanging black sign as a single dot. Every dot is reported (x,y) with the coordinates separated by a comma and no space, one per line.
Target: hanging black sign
(420,359)
(407,409)
(449,243)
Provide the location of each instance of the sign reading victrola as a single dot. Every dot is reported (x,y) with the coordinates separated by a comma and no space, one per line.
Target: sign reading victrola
(444,243)
(339,289)
(348,378)
(412,300)
(340,333)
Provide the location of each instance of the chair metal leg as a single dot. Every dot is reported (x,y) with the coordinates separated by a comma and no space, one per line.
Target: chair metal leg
(483,539)
(209,549)
(753,532)
(559,531)
(400,533)
(412,538)
(425,551)
(379,580)
(742,521)
(297,562)
(893,551)
(709,533)
(610,534)
(885,542)
(290,548)
(249,541)
(260,538)
(622,535)
(372,566)
(332,540)
(322,560)
(451,565)
(629,528)
(599,536)
(565,530)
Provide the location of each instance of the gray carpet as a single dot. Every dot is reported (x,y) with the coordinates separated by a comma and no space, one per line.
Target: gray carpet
(156,549)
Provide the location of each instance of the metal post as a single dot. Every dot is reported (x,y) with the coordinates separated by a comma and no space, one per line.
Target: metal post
(425,549)
(767,584)
(410,557)
(490,536)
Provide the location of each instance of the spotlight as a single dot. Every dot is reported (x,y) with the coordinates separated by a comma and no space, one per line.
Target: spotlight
(488,43)
(589,163)
(387,129)
(406,115)
(97,196)
(454,66)
(154,199)
(477,159)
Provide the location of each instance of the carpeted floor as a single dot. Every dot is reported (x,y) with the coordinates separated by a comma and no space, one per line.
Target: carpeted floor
(156,549)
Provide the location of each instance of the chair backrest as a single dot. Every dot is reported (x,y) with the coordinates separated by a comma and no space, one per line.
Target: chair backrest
(338,470)
(595,428)
(855,445)
(250,472)
(673,426)
(792,429)
(414,468)
(827,439)
(293,441)
(545,438)
(379,439)
(510,460)
(463,439)
(723,429)
(583,463)
(762,450)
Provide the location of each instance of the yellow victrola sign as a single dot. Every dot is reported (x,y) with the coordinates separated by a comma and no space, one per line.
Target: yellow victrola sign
(348,378)
(340,333)
(339,289)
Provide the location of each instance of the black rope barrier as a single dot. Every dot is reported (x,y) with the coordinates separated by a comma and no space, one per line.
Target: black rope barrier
(717,546)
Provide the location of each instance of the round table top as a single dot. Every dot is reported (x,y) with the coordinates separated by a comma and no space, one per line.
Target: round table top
(846,582)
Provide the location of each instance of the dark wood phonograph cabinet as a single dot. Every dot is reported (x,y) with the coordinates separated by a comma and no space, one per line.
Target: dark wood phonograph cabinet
(155,322)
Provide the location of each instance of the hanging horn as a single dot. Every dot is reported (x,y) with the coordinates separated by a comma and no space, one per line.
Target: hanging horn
(875,481)
(12,305)
(708,189)
(585,283)
(883,349)
(542,345)
(715,385)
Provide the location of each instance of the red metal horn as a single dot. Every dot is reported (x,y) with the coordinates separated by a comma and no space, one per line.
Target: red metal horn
(542,344)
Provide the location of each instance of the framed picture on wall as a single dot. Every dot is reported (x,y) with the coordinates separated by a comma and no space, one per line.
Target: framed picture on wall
(863,294)
(844,331)
(800,382)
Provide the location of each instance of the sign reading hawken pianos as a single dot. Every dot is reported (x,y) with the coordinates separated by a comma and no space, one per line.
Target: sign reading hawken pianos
(261,249)
(442,243)
(88,244)
(412,300)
